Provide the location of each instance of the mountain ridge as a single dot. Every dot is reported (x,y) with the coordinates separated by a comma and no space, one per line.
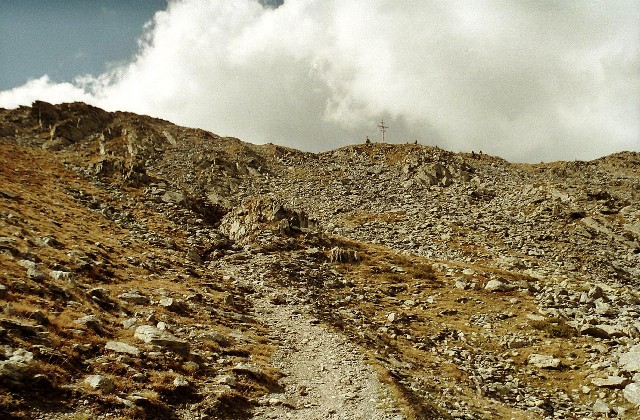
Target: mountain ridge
(517,282)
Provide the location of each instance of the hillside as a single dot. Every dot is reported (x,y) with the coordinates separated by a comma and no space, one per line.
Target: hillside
(157,271)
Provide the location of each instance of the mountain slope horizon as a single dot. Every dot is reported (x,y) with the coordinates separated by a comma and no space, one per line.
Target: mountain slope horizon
(151,270)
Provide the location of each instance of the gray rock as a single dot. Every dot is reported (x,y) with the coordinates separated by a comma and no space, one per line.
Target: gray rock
(120,347)
(152,335)
(27,264)
(250,369)
(544,361)
(129,322)
(171,304)
(603,308)
(90,321)
(8,243)
(611,382)
(18,364)
(462,284)
(100,382)
(632,393)
(35,274)
(23,327)
(630,361)
(498,286)
(99,293)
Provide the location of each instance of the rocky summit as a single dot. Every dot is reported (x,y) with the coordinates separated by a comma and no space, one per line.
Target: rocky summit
(156,271)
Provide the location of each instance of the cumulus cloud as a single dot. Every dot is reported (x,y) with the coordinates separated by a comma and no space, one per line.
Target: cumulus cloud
(529,81)
(45,90)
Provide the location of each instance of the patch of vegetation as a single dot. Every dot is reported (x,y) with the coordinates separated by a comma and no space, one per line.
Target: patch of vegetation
(554,327)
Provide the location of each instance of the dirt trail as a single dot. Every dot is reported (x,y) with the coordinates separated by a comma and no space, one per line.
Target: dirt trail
(326,376)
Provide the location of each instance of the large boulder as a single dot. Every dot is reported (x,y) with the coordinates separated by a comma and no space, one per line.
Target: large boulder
(260,213)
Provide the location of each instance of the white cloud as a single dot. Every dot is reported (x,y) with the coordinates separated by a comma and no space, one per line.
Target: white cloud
(528,81)
(42,89)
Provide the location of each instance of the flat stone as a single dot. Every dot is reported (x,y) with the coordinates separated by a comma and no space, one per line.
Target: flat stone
(611,381)
(544,361)
(120,347)
(152,335)
(100,382)
(632,393)
(134,297)
(604,308)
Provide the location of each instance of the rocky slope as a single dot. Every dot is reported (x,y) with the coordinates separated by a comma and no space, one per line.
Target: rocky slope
(156,271)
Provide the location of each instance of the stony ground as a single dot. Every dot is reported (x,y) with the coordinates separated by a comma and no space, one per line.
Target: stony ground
(155,271)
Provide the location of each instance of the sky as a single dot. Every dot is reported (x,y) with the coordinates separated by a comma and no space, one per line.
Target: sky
(530,81)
